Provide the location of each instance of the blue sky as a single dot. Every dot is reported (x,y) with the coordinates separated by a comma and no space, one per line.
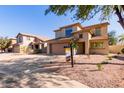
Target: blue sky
(31,19)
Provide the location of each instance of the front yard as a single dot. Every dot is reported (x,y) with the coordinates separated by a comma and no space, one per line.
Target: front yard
(52,71)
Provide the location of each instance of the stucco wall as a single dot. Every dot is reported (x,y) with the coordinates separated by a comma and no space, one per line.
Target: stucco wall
(61,32)
(85,35)
(76,28)
(115,48)
(13,41)
(26,42)
(104,50)
(16,49)
(103,30)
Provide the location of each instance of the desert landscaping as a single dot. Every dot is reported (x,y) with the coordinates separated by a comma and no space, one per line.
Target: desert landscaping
(18,70)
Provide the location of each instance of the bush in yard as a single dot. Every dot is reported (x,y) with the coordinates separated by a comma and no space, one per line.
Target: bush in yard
(99,66)
(109,57)
(122,50)
(4,43)
(36,51)
(10,80)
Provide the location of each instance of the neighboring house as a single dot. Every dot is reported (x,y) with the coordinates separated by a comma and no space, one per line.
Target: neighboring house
(27,43)
(91,39)
(12,43)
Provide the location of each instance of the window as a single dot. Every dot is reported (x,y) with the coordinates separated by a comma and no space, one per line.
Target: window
(32,46)
(97,45)
(68,32)
(36,46)
(80,35)
(20,39)
(97,32)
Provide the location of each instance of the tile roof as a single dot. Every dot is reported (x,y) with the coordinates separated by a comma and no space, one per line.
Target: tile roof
(43,38)
(78,24)
(87,28)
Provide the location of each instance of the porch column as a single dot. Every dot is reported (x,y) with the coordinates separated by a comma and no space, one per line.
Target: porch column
(34,47)
(48,48)
(87,44)
(40,46)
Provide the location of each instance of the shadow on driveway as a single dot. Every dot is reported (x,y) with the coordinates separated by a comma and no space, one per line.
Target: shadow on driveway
(22,72)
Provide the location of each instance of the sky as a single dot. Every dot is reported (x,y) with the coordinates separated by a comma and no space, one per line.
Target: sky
(31,20)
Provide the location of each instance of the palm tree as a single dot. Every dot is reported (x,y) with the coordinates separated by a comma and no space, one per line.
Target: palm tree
(121,39)
(112,38)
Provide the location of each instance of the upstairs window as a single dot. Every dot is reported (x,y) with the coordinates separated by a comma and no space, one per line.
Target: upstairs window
(20,39)
(97,32)
(68,32)
(80,35)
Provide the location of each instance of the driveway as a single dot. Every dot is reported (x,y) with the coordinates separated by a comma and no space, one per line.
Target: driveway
(22,71)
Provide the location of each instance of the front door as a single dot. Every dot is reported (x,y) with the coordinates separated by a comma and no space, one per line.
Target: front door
(81,48)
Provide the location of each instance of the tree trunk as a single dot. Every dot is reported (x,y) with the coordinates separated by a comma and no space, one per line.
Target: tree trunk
(121,19)
(72,61)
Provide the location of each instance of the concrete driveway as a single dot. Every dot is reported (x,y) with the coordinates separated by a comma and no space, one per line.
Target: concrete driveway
(18,70)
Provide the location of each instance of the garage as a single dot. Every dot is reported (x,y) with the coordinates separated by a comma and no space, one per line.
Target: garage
(58,49)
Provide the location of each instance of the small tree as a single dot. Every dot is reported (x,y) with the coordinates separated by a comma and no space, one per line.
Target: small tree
(73,45)
(87,12)
(4,43)
(112,38)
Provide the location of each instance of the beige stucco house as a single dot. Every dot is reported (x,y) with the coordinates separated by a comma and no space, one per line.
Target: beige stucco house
(12,43)
(91,39)
(27,43)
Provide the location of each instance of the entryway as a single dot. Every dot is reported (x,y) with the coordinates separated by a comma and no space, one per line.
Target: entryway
(81,48)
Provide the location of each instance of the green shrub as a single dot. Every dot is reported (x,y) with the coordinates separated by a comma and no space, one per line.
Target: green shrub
(99,66)
(109,57)
(122,50)
(36,51)
(10,80)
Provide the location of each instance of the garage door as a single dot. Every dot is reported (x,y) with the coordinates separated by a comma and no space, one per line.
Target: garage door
(58,49)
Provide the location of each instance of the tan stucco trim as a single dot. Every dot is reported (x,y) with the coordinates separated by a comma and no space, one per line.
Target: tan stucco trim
(98,39)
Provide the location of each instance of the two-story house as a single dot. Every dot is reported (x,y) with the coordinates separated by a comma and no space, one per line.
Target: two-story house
(91,39)
(12,43)
(27,43)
